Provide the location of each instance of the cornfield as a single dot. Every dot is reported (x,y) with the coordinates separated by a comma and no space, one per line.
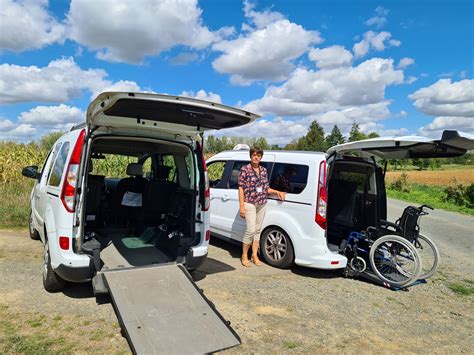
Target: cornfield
(14,157)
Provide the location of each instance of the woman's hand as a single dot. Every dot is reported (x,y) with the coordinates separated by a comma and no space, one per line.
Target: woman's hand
(242,212)
(281,195)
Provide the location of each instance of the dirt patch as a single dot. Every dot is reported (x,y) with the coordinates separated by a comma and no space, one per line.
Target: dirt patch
(273,311)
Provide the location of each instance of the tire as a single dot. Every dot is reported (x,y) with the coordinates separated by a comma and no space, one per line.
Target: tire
(429,255)
(276,248)
(395,261)
(33,232)
(51,281)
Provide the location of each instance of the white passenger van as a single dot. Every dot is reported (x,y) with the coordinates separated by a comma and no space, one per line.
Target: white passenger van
(328,195)
(123,199)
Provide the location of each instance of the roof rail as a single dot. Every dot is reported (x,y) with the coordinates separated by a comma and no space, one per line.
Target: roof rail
(78,126)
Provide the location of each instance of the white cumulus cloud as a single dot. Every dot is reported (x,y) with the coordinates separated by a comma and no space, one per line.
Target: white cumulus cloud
(53,116)
(265,51)
(405,62)
(451,102)
(379,19)
(127,31)
(331,57)
(202,95)
(60,81)
(27,25)
(374,41)
(308,92)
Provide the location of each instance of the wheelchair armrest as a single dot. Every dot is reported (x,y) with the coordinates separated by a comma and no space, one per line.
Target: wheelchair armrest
(386,225)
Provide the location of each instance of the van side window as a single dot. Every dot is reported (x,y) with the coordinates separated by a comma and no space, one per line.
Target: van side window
(215,172)
(291,178)
(234,176)
(58,167)
(148,168)
(168,160)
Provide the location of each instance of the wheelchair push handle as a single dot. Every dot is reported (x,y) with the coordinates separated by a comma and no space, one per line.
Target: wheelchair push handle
(425,206)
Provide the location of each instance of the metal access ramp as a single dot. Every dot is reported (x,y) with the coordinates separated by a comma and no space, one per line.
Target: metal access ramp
(162,311)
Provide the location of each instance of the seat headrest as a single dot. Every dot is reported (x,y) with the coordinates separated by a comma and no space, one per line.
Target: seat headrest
(134,169)
(162,172)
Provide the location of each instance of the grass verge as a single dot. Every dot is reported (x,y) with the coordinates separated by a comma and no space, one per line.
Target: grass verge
(431,195)
(15,204)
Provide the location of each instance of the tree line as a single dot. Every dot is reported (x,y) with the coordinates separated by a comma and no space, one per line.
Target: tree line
(316,140)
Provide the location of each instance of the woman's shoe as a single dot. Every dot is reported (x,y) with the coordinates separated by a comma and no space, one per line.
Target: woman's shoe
(256,260)
(245,262)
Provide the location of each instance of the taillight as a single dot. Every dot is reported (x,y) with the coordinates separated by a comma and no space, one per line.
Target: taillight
(321,206)
(70,180)
(64,243)
(207,191)
(208,235)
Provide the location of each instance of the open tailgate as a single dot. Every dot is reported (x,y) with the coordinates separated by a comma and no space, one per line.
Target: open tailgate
(451,144)
(162,311)
(163,113)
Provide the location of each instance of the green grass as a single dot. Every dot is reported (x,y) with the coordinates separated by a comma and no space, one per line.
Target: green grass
(430,195)
(291,344)
(461,289)
(15,204)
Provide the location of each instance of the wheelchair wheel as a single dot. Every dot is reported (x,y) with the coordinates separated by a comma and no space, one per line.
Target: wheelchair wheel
(429,255)
(395,261)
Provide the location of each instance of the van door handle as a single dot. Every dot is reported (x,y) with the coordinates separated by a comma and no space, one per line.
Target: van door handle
(225,198)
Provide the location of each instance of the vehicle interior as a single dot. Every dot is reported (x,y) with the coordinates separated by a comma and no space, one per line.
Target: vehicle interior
(140,201)
(352,199)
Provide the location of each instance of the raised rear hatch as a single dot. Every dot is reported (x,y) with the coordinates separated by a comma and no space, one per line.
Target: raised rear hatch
(451,144)
(172,115)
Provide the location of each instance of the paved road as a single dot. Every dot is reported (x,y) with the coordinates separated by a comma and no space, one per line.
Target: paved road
(452,232)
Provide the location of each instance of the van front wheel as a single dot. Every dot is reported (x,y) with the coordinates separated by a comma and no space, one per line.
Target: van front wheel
(276,248)
(33,232)
(51,281)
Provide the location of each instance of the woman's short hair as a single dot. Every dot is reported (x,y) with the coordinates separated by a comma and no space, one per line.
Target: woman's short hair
(257,150)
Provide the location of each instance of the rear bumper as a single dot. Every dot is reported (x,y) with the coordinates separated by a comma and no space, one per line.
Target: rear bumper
(75,274)
(328,261)
(193,262)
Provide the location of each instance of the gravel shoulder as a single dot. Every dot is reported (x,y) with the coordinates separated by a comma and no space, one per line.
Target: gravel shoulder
(273,311)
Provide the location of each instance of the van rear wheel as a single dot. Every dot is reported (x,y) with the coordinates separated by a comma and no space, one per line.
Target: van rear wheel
(51,281)
(276,248)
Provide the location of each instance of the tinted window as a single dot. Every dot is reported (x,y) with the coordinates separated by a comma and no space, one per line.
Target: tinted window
(291,178)
(234,176)
(57,171)
(168,160)
(215,172)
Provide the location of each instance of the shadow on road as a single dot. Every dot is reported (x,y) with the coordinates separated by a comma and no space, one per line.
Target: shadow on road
(209,267)
(79,290)
(316,273)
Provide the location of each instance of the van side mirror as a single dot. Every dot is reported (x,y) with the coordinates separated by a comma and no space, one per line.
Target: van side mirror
(31,172)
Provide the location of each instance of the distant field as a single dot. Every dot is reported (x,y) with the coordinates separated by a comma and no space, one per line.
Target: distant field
(435,177)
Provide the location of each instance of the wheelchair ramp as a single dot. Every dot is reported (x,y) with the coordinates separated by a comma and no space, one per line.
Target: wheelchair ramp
(163,312)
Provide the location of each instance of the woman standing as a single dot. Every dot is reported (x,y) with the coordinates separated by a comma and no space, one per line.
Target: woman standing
(253,194)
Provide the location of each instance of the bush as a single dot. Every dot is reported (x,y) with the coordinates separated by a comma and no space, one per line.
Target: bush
(401,183)
(470,195)
(461,195)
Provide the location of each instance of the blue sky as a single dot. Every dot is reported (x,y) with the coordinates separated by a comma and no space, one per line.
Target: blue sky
(395,67)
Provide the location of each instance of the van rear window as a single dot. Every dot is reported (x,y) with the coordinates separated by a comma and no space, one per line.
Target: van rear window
(290,178)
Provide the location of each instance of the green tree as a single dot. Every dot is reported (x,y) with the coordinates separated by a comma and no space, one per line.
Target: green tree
(373,135)
(355,134)
(314,139)
(335,137)
(262,143)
